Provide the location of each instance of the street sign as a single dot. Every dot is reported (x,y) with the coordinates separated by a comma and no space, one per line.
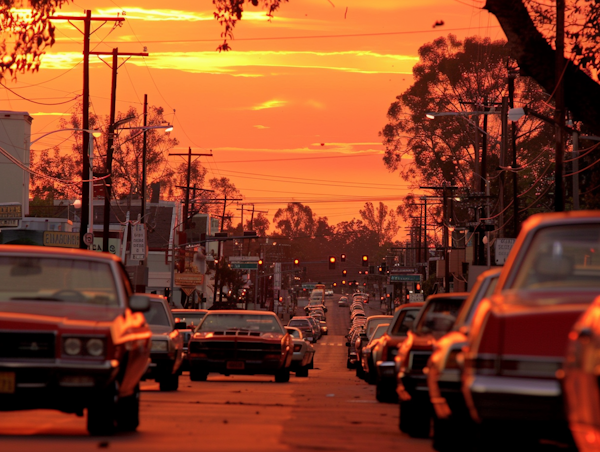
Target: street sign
(502,249)
(415,297)
(88,238)
(243,258)
(189,279)
(277,276)
(405,278)
(138,241)
(402,270)
(244,265)
(61,239)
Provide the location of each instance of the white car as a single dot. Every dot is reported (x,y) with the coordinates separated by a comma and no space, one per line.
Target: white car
(303,355)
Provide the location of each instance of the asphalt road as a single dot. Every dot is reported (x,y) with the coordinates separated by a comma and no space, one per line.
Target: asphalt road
(329,410)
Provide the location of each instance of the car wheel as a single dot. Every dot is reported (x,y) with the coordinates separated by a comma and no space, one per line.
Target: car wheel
(198,375)
(169,382)
(303,371)
(385,393)
(128,411)
(101,416)
(311,364)
(415,419)
(283,375)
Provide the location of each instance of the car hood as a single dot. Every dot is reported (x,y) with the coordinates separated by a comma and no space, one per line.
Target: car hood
(31,314)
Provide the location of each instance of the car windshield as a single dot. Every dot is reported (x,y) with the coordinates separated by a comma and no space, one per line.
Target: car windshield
(65,280)
(404,322)
(157,314)
(296,334)
(299,323)
(189,319)
(561,257)
(439,316)
(379,331)
(240,322)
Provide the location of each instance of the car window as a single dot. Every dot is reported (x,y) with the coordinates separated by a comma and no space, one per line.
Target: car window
(372,325)
(296,334)
(379,331)
(157,314)
(404,322)
(298,323)
(189,319)
(243,322)
(439,315)
(559,257)
(53,279)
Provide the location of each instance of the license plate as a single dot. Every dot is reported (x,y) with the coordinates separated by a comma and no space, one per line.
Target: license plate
(7,382)
(237,365)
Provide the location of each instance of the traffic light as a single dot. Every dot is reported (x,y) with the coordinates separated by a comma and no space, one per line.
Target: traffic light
(344,272)
(296,263)
(418,287)
(365,260)
(260,264)
(334,284)
(331,262)
(343,282)
(380,269)
(343,258)
(407,297)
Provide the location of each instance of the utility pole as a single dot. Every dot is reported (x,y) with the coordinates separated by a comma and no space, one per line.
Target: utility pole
(110,141)
(513,130)
(189,155)
(559,113)
(144,152)
(85,188)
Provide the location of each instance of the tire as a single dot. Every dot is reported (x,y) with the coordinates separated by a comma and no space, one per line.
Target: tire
(198,375)
(303,371)
(415,419)
(101,413)
(128,412)
(283,375)
(360,373)
(348,364)
(169,382)
(385,393)
(311,364)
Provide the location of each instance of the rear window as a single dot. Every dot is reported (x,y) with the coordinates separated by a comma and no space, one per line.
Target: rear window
(561,257)
(240,322)
(157,314)
(439,316)
(299,323)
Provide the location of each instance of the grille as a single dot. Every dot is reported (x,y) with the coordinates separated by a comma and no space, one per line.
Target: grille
(419,360)
(235,350)
(27,345)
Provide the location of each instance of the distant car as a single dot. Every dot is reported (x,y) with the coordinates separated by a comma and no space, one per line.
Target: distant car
(384,352)
(365,337)
(352,360)
(166,353)
(240,342)
(304,325)
(343,302)
(186,321)
(435,319)
(72,336)
(329,293)
(519,338)
(369,372)
(316,327)
(324,327)
(303,353)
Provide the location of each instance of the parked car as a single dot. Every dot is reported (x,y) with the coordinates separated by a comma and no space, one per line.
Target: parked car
(343,301)
(451,421)
(303,353)
(166,352)
(365,336)
(72,335)
(384,352)
(435,319)
(240,342)
(186,321)
(304,325)
(519,336)
(352,360)
(369,372)
(316,327)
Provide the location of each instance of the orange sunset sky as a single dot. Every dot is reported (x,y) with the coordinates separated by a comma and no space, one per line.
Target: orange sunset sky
(321,72)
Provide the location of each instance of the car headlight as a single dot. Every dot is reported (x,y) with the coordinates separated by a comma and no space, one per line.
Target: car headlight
(159,346)
(72,346)
(95,347)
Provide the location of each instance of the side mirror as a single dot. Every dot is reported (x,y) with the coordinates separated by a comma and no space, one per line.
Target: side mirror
(139,303)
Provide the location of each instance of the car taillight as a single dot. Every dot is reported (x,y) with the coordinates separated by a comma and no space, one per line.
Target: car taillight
(297,348)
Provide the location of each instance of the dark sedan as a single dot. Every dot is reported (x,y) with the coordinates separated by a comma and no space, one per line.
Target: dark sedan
(240,342)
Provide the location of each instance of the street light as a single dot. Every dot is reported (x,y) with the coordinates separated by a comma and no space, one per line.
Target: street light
(87,205)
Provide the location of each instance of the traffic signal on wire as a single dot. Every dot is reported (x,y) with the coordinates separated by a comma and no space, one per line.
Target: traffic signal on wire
(343,258)
(344,272)
(331,262)
(296,263)
(365,260)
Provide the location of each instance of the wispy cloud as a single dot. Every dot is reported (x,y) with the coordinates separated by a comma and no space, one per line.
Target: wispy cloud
(269,104)
(43,113)
(253,63)
(155,15)
(258,126)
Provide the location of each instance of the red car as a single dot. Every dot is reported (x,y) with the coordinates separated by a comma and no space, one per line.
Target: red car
(435,319)
(240,342)
(72,335)
(519,335)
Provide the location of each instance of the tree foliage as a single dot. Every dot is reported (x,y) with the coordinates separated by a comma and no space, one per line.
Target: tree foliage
(380,220)
(26,33)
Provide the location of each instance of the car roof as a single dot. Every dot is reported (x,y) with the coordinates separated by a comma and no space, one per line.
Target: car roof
(51,251)
(188,311)
(241,312)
